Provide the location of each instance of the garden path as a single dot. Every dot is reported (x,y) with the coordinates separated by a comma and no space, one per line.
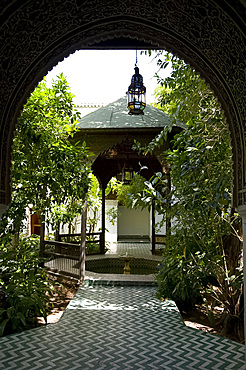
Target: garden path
(119,327)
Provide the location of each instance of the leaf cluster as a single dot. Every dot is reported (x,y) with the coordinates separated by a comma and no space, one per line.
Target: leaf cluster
(23,284)
(48,167)
(203,254)
(50,175)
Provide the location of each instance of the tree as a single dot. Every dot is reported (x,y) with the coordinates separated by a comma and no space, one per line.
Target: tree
(50,175)
(48,169)
(203,255)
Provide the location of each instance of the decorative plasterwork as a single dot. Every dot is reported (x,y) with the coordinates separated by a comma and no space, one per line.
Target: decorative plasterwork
(210,36)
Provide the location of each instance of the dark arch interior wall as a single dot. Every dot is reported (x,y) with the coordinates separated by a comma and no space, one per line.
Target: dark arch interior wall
(208,34)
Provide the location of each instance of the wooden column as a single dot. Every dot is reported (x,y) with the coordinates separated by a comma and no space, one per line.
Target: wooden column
(57,232)
(58,248)
(42,235)
(102,244)
(153,226)
(82,244)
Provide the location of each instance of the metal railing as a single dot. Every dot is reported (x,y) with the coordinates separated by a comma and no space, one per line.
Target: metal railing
(64,257)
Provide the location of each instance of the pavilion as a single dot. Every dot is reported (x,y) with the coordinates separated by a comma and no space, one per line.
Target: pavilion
(110,132)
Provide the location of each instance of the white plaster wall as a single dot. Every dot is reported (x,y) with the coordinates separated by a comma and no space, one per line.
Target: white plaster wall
(111,229)
(159,218)
(133,222)
(162,230)
(98,224)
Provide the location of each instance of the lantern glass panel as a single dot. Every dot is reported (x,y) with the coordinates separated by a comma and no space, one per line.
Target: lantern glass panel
(127,175)
(136,94)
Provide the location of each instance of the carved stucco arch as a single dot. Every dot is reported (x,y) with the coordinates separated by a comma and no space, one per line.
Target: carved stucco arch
(37,35)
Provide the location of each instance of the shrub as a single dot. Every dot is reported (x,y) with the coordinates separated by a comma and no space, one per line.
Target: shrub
(24,286)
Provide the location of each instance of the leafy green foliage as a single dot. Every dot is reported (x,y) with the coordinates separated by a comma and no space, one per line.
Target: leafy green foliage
(203,254)
(94,203)
(49,175)
(200,161)
(48,168)
(24,284)
(130,195)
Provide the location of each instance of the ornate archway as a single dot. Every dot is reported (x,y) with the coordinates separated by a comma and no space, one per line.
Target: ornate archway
(208,34)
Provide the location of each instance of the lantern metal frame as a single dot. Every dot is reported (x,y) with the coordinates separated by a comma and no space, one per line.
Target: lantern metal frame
(136,94)
(127,174)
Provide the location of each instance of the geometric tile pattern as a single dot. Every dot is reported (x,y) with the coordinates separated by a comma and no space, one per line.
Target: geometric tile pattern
(119,327)
(133,248)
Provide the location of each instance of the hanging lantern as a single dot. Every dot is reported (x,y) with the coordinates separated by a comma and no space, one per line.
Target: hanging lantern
(136,94)
(127,174)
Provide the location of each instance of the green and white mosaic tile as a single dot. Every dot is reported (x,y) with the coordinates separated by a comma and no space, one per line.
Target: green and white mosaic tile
(119,327)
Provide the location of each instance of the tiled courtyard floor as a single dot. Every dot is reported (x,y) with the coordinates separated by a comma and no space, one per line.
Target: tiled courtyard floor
(133,248)
(115,322)
(115,327)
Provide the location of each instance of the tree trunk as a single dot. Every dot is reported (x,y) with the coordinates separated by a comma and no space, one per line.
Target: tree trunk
(42,235)
(233,249)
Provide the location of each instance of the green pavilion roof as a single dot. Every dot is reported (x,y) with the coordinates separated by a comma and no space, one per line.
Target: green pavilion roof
(115,116)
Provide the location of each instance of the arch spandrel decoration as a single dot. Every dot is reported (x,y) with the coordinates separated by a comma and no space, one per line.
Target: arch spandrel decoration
(210,35)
